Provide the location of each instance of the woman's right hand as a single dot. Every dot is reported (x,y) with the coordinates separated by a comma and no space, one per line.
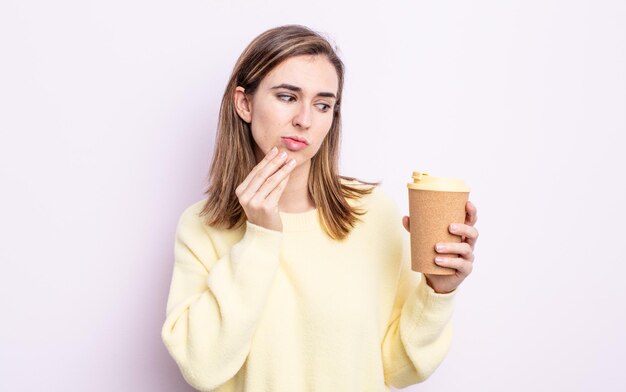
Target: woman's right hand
(259,193)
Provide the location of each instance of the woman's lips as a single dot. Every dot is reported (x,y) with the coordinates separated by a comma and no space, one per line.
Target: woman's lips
(293,145)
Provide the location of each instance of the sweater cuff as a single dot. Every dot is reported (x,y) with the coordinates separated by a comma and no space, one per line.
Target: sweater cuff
(433,300)
(425,313)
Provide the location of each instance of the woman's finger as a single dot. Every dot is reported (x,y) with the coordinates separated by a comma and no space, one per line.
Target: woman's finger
(267,159)
(463,266)
(261,176)
(463,248)
(273,181)
(406,223)
(468,234)
(275,194)
(471,214)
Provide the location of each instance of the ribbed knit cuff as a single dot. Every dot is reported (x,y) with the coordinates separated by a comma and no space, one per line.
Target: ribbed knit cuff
(432,299)
(425,314)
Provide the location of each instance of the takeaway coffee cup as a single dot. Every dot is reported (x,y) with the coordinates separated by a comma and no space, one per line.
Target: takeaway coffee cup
(434,204)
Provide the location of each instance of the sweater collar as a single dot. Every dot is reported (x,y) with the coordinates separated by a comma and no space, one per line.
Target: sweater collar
(300,221)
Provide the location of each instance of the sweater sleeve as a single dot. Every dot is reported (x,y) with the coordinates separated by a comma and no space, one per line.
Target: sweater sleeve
(419,334)
(214,305)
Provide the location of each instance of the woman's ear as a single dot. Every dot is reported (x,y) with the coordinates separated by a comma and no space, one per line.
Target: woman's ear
(242,104)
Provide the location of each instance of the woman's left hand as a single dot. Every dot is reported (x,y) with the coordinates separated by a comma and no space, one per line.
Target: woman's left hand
(444,284)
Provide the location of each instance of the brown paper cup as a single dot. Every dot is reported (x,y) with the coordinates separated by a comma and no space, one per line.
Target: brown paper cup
(434,204)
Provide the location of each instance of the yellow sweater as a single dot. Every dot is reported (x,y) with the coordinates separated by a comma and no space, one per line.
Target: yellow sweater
(254,309)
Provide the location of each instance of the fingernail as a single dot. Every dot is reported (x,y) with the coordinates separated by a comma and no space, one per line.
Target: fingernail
(291,162)
(440,247)
(453,227)
(438,260)
(283,154)
(273,150)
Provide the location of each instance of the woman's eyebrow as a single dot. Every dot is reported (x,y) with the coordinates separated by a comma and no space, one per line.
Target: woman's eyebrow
(298,90)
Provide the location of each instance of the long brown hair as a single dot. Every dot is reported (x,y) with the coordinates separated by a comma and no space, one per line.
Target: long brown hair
(234,158)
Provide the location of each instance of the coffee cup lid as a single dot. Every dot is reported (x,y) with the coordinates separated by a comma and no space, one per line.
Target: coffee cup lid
(426,182)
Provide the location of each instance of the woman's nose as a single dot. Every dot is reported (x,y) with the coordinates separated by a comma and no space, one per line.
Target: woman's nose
(303,116)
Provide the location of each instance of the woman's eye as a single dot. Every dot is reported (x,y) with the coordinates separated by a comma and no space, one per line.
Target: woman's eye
(324,106)
(288,98)
(285,96)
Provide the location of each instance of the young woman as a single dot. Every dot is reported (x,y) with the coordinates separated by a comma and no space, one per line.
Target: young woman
(289,276)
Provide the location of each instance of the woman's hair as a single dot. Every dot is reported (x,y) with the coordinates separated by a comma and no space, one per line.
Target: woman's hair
(234,158)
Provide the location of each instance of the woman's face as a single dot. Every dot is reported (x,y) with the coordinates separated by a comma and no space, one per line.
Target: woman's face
(296,99)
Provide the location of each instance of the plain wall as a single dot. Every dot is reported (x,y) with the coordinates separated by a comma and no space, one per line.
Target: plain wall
(108,117)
